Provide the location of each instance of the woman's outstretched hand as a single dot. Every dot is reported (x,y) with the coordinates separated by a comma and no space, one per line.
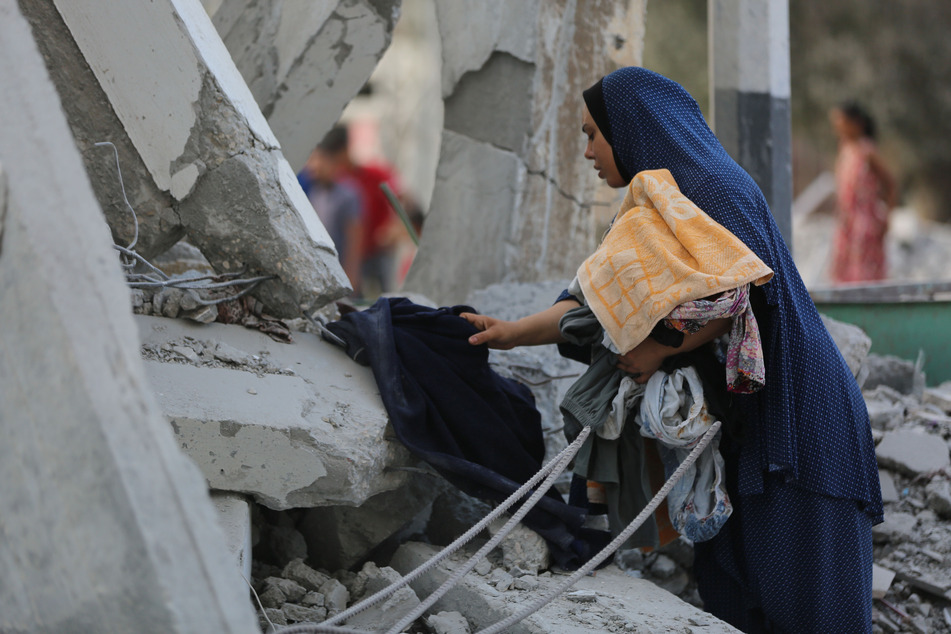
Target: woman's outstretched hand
(497,333)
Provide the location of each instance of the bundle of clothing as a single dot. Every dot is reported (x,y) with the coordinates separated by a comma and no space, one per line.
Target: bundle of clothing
(665,268)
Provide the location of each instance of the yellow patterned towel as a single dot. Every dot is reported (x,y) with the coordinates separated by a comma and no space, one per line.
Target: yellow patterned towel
(661,251)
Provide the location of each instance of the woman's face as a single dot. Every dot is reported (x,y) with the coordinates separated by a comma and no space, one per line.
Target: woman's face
(599,151)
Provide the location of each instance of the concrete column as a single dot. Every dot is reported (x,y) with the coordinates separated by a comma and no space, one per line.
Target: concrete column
(749,79)
(105,526)
(513,193)
(304,60)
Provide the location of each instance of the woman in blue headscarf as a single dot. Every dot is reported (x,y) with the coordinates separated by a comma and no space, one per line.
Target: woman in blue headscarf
(796,555)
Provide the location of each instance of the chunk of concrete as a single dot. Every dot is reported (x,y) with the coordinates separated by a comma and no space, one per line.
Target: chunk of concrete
(448,623)
(851,340)
(342,536)
(887,482)
(891,371)
(881,581)
(912,453)
(884,415)
(506,185)
(938,494)
(939,396)
(626,603)
(312,438)
(105,522)
(304,61)
(384,614)
(178,108)
(234,517)
(898,527)
(522,548)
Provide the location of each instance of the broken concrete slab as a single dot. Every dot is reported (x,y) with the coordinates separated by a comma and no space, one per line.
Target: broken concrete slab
(380,617)
(179,109)
(939,396)
(302,61)
(541,368)
(341,536)
(621,602)
(912,453)
(303,426)
(887,370)
(518,189)
(938,494)
(887,482)
(881,581)
(898,527)
(106,525)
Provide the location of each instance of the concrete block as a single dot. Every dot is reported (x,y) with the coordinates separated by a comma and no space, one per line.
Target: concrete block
(939,396)
(881,581)
(912,453)
(304,61)
(193,140)
(889,492)
(884,415)
(938,494)
(302,574)
(383,615)
(622,603)
(851,340)
(234,517)
(106,525)
(303,426)
(342,536)
(889,371)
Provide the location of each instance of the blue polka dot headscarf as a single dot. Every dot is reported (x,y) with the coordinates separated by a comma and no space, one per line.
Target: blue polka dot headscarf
(809,423)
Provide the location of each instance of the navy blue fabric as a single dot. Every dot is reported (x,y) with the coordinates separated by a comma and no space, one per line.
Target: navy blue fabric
(447,406)
(810,422)
(788,560)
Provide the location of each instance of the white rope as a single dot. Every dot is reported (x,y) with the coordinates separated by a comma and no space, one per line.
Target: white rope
(492,543)
(554,468)
(616,542)
(563,457)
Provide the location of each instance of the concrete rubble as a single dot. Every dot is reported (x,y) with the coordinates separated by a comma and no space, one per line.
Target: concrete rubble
(304,62)
(198,156)
(106,527)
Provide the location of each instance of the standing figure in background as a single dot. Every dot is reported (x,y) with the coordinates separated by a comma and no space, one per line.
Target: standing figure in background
(378,267)
(866,194)
(337,199)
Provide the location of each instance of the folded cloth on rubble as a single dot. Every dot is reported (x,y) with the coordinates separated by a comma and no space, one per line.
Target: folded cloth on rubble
(673,411)
(661,251)
(478,429)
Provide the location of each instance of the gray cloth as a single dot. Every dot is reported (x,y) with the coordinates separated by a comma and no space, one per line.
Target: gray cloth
(619,463)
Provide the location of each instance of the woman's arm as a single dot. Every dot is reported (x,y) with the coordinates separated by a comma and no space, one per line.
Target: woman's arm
(534,330)
(647,356)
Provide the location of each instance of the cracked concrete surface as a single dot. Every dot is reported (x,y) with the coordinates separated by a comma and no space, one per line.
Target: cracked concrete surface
(517,185)
(303,61)
(198,156)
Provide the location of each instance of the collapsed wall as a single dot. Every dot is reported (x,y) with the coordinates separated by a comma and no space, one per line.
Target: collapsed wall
(304,61)
(513,193)
(200,159)
(106,527)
